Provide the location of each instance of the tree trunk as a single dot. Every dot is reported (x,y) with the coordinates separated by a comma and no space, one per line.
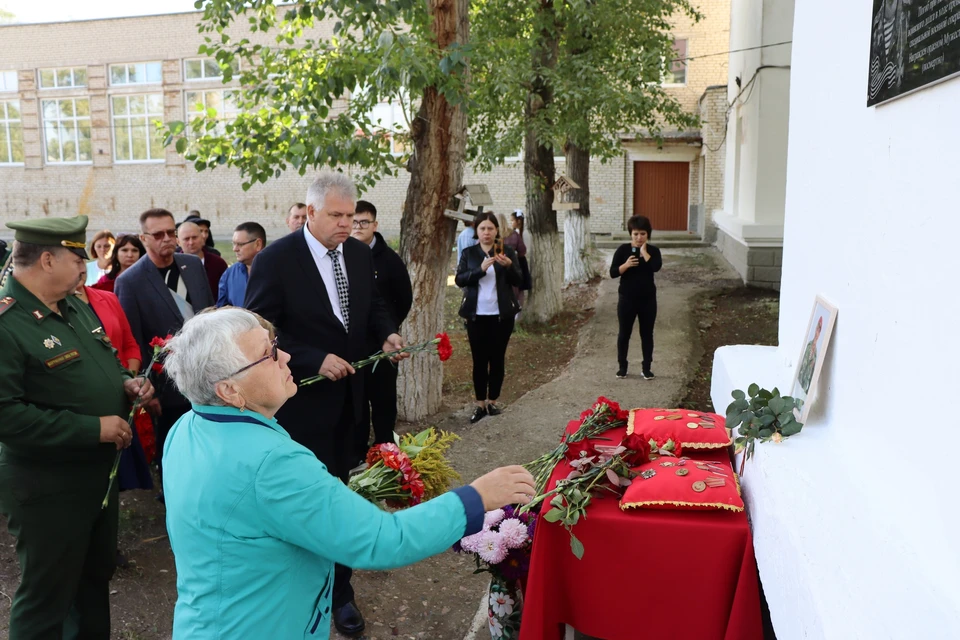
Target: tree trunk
(426,236)
(545,256)
(576,224)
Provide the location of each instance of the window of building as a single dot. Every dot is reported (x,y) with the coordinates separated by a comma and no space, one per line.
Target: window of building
(390,117)
(136,73)
(220,100)
(11,133)
(66,130)
(8,81)
(204,69)
(676,69)
(64,77)
(135,136)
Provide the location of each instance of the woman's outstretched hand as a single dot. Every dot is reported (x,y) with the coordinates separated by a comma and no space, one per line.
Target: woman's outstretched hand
(503,486)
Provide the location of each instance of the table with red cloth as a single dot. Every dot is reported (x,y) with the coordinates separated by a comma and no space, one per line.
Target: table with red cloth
(684,574)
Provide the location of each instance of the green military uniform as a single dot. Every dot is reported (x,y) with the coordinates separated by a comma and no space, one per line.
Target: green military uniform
(58,375)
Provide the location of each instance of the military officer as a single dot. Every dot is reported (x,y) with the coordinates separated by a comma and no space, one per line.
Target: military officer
(63,401)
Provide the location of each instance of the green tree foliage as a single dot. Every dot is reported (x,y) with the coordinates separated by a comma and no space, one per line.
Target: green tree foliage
(305,100)
(610,57)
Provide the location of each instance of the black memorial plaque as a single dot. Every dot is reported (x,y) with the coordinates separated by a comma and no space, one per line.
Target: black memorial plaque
(913,43)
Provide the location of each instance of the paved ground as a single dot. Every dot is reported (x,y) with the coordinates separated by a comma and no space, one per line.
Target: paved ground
(445,605)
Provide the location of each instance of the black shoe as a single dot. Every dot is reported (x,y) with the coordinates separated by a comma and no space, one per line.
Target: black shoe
(622,373)
(493,410)
(648,375)
(479,414)
(348,620)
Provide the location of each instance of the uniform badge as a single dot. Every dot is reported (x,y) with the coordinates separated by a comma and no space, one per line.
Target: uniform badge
(36,314)
(51,342)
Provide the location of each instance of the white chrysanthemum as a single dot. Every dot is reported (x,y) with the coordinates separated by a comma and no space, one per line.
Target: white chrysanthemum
(514,533)
(501,603)
(492,518)
(492,548)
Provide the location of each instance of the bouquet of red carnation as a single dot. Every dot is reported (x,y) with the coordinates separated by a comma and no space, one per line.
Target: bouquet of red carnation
(603,416)
(597,468)
(405,473)
(443,349)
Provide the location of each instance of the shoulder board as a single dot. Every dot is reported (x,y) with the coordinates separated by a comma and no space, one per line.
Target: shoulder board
(5,303)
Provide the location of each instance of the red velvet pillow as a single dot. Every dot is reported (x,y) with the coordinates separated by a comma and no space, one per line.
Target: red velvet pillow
(692,429)
(707,482)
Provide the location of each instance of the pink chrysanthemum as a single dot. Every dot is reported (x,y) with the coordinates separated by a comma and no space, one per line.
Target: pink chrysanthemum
(492,518)
(472,543)
(492,548)
(514,533)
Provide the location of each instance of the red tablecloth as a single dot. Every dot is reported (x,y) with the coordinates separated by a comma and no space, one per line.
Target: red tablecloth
(645,574)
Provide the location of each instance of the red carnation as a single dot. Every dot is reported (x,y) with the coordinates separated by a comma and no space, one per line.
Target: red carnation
(638,449)
(614,407)
(444,348)
(160,342)
(575,449)
(157,367)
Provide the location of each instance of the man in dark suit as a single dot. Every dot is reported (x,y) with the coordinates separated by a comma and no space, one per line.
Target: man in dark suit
(158,293)
(393,283)
(317,287)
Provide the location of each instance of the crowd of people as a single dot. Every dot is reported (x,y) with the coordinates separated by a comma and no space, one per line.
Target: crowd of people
(230,432)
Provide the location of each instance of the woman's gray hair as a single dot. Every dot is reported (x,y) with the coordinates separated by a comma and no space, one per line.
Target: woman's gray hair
(205,351)
(330,182)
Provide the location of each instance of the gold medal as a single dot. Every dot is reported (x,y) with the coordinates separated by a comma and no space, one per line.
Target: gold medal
(682,472)
(692,425)
(699,486)
(659,417)
(693,415)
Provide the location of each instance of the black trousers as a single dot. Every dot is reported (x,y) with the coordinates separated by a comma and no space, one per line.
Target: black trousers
(488,336)
(630,310)
(380,404)
(66,545)
(344,437)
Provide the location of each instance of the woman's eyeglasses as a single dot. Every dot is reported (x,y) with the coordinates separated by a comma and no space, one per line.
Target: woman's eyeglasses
(270,356)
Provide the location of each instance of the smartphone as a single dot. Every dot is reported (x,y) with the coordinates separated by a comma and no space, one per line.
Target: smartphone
(498,246)
(635,252)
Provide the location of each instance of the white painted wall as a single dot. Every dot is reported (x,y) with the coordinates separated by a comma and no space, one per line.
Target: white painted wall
(855,520)
(757,122)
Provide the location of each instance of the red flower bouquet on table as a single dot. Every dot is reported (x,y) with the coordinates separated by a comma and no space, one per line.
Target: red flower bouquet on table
(603,416)
(503,549)
(440,344)
(408,472)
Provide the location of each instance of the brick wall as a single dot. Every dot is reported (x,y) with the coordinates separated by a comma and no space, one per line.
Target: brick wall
(713,116)
(113,194)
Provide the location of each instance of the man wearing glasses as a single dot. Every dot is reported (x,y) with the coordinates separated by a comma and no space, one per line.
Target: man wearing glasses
(158,293)
(393,283)
(249,239)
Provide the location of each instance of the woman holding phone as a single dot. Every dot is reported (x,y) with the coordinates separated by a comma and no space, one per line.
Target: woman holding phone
(487,273)
(635,263)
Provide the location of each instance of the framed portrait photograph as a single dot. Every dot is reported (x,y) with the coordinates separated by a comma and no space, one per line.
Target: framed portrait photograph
(815,344)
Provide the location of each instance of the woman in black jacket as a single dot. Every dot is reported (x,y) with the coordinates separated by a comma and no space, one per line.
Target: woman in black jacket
(635,263)
(487,273)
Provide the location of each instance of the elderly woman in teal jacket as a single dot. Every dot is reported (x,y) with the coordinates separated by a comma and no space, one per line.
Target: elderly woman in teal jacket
(255,520)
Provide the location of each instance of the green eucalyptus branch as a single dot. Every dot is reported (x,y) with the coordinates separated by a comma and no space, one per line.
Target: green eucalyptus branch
(766,416)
